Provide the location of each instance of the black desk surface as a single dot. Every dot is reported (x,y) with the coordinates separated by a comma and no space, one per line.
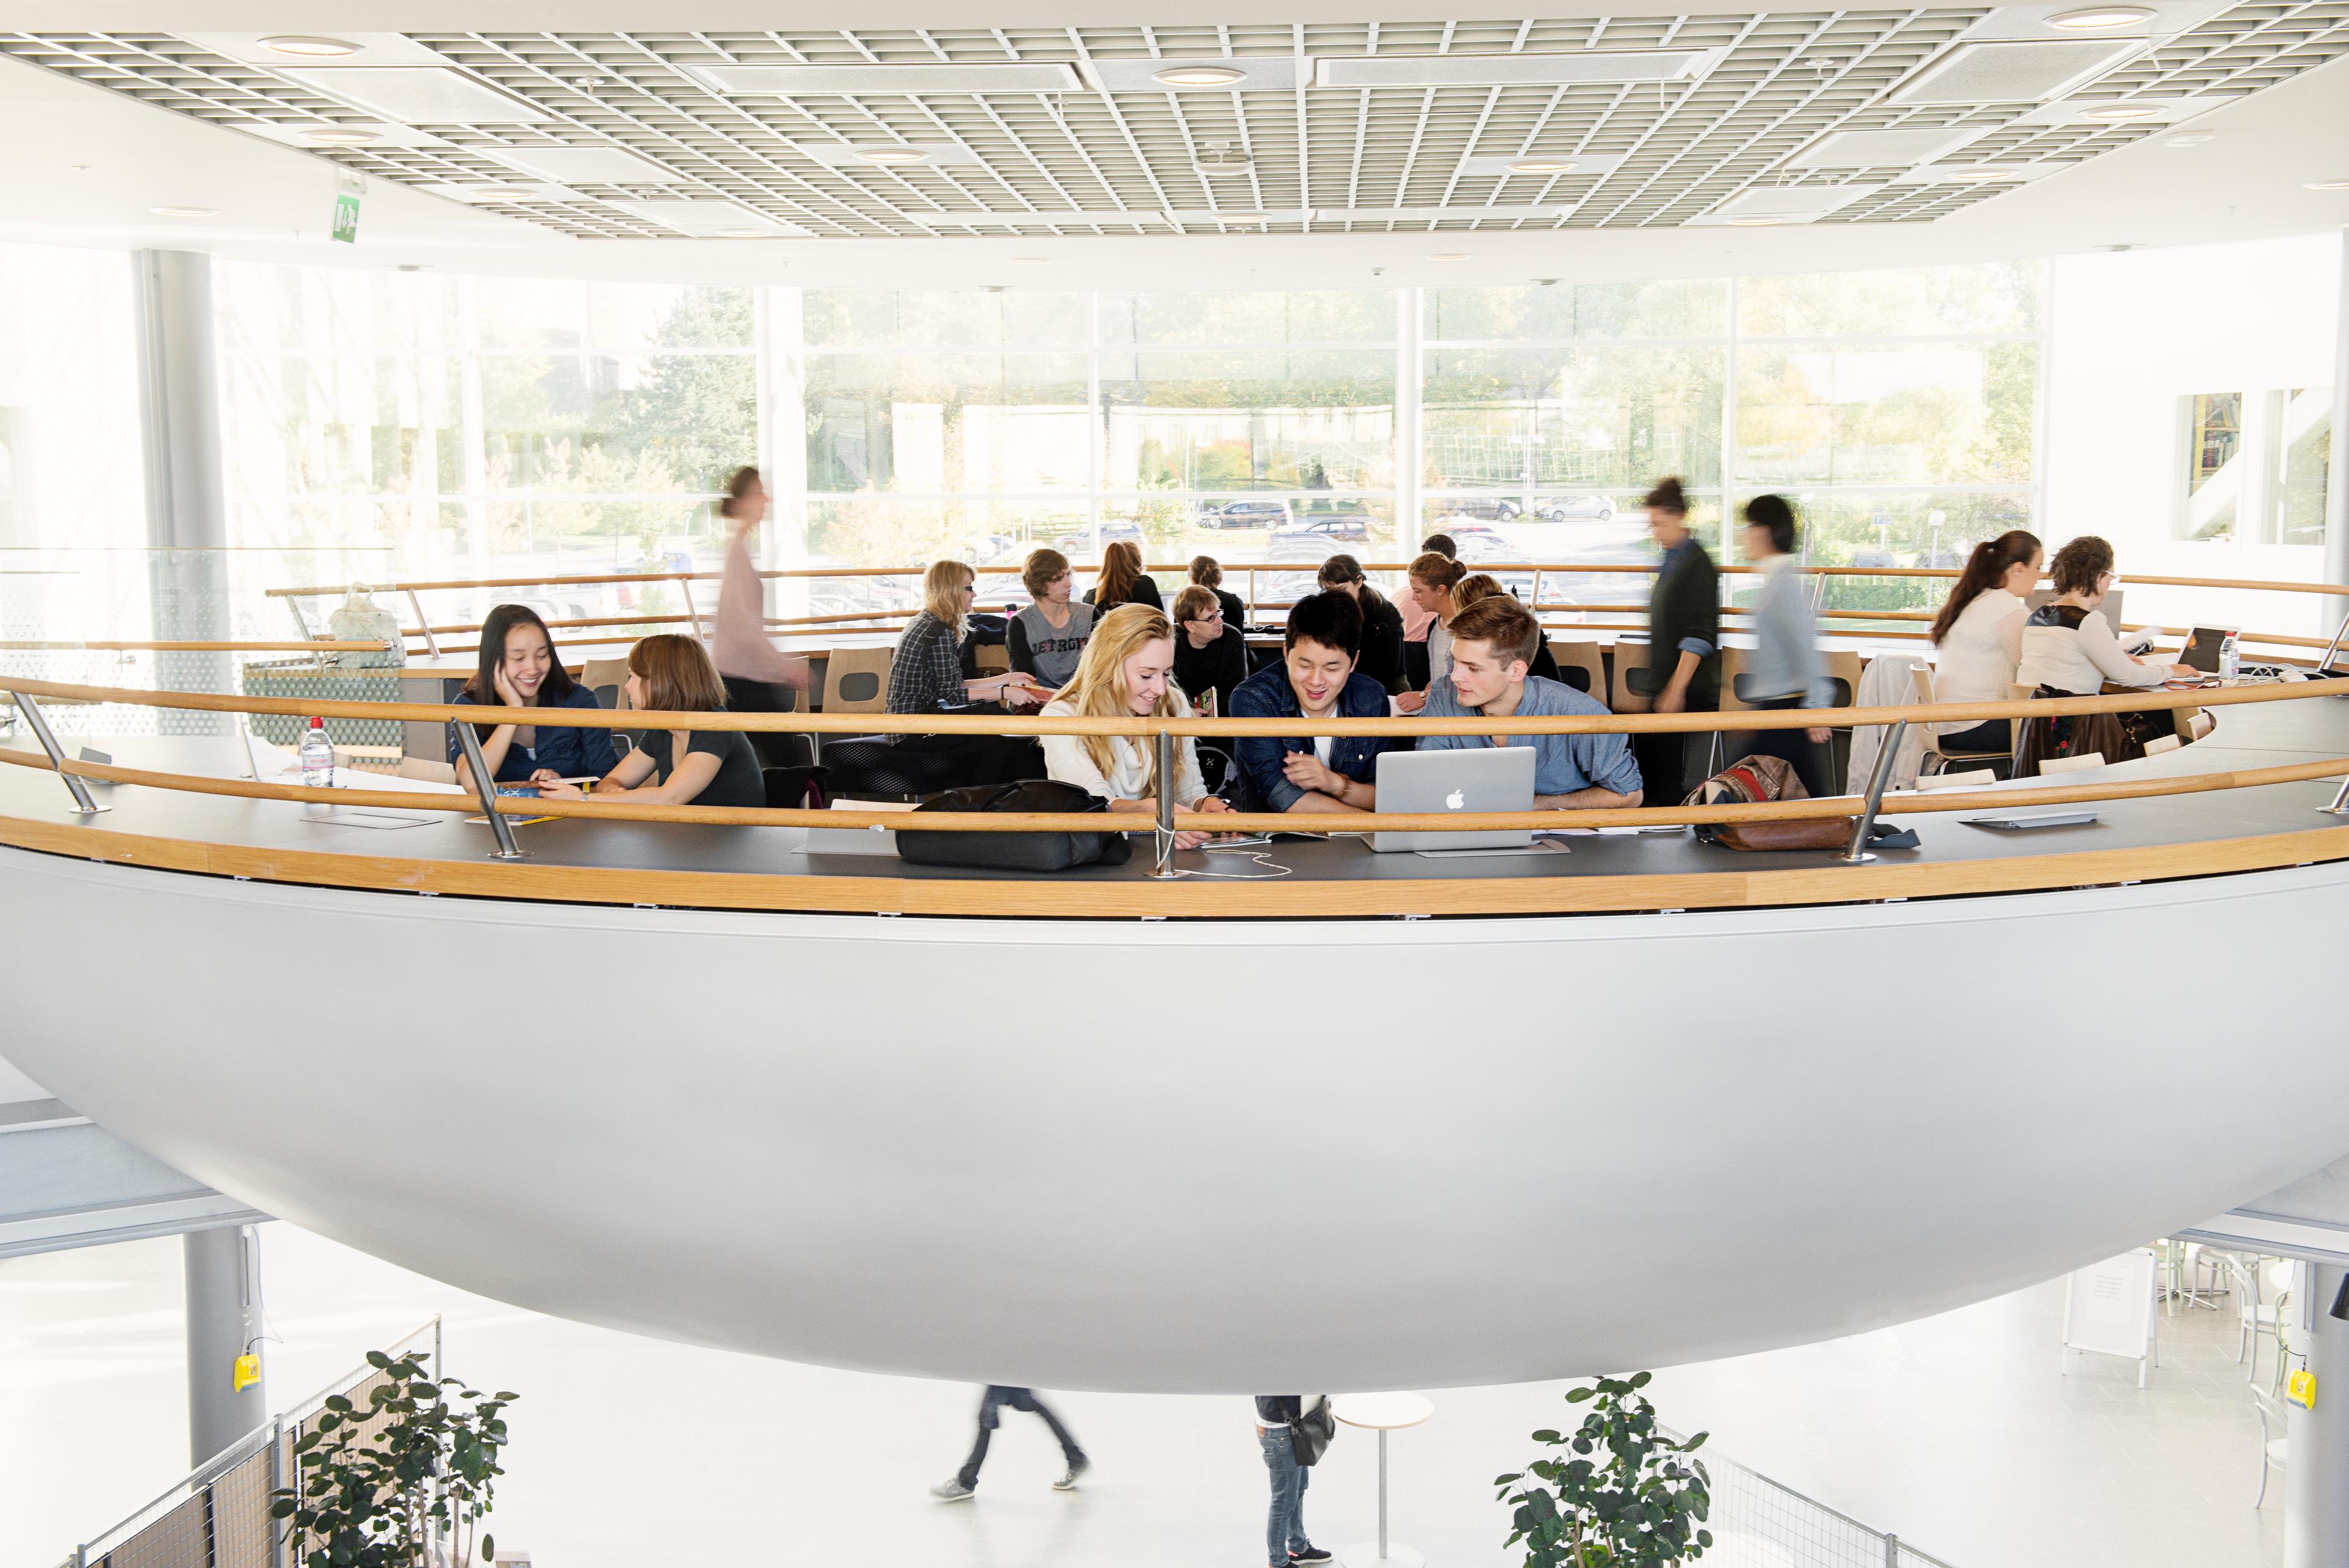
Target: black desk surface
(2248,736)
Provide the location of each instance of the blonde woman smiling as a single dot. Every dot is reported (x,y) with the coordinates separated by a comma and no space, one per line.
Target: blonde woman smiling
(1127,673)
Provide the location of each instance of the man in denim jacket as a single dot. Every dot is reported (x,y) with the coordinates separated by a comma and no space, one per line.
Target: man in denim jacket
(1315,678)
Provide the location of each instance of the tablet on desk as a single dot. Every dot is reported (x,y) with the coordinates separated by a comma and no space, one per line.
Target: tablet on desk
(2015,821)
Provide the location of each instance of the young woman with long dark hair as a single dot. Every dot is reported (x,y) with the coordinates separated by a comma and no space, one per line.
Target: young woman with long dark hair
(1382,658)
(1979,634)
(518,669)
(1122,580)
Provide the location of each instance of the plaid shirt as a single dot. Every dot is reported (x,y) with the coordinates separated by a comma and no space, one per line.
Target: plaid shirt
(928,670)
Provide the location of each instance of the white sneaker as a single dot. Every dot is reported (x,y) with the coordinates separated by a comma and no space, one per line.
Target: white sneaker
(952,1491)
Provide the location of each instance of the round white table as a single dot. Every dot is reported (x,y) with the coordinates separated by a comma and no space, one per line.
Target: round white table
(1383,1413)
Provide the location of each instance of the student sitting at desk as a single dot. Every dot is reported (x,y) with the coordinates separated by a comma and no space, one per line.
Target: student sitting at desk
(518,669)
(1123,581)
(1315,678)
(927,677)
(1210,654)
(1209,574)
(1493,640)
(1047,638)
(1381,658)
(1127,673)
(2069,650)
(678,767)
(1483,586)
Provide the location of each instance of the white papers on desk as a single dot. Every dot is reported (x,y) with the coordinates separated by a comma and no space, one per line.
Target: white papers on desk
(857,840)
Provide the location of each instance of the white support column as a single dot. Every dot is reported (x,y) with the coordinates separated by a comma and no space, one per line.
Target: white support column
(2316,1477)
(1722,550)
(1411,370)
(187,507)
(223,1284)
(2336,493)
(1096,421)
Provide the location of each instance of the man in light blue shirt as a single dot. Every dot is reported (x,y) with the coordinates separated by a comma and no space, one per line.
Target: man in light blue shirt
(1493,642)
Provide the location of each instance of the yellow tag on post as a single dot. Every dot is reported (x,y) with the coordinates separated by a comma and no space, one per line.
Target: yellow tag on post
(2300,1388)
(246,1374)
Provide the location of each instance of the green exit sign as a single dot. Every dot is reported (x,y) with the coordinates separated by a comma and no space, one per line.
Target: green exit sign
(346,209)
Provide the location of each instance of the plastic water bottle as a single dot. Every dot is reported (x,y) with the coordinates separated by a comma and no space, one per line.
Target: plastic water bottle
(317,756)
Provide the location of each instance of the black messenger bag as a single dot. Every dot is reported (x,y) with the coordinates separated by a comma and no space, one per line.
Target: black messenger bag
(1014,851)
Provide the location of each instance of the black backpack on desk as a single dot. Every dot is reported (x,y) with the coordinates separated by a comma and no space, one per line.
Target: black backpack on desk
(1015,851)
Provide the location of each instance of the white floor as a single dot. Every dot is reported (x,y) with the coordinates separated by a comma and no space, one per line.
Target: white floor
(1959,1432)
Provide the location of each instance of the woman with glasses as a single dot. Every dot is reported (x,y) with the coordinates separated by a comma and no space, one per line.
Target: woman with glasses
(1382,658)
(1208,572)
(927,677)
(2070,651)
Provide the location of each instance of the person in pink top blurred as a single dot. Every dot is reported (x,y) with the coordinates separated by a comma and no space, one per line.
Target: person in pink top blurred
(759,677)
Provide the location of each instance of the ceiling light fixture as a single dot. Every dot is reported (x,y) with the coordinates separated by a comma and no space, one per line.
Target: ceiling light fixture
(2099,19)
(1198,75)
(745,234)
(308,48)
(344,136)
(892,154)
(1542,166)
(2326,185)
(2116,113)
(1223,160)
(1030,261)
(184,211)
(1449,256)
(499,193)
(2192,138)
(1756,223)
(1982,176)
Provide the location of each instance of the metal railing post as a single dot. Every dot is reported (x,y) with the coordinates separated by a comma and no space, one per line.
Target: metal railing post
(692,616)
(83,805)
(1891,1550)
(301,627)
(2340,806)
(1164,836)
(432,643)
(276,1483)
(487,788)
(1857,854)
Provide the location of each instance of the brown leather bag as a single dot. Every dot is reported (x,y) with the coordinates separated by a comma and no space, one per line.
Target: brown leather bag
(1758,778)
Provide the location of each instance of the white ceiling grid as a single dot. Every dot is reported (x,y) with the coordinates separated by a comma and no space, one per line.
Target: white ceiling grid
(1423,159)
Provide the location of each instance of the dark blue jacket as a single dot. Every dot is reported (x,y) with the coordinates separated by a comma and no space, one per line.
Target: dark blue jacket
(1267,694)
(571,753)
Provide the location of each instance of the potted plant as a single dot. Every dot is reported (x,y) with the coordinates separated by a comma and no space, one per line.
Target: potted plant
(1624,1494)
(379,1486)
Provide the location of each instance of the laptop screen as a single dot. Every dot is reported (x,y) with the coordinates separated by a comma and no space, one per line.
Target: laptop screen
(2204,644)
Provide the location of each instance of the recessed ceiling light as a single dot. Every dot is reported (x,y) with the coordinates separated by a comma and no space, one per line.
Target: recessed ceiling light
(2326,185)
(1198,75)
(1030,261)
(1449,256)
(309,48)
(1982,176)
(499,193)
(1756,223)
(2193,138)
(1542,166)
(344,136)
(184,211)
(2097,18)
(2115,112)
(746,234)
(891,154)
(1222,161)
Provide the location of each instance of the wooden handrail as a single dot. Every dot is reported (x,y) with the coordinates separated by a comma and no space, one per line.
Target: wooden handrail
(1806,810)
(2146,701)
(16,647)
(1578,568)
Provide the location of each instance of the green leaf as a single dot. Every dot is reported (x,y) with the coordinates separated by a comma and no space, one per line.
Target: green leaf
(489,1548)
(378,1360)
(1577,1395)
(1642,1380)
(1546,1436)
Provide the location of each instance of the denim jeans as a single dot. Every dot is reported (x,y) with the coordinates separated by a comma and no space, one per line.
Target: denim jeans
(1284,1526)
(991,1407)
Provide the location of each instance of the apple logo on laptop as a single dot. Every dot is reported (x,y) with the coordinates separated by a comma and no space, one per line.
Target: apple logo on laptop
(1455,800)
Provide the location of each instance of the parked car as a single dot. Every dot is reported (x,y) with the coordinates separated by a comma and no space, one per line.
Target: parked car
(1568,508)
(1352,528)
(1247,515)
(1079,546)
(1491,508)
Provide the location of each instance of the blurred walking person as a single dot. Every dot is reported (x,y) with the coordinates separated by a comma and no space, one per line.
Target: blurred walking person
(1683,670)
(991,1408)
(1786,670)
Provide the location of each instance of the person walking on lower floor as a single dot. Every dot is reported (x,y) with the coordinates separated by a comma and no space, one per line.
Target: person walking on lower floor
(991,1408)
(1285,1541)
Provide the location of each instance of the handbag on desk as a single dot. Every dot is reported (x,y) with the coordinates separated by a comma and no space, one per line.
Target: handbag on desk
(1043,851)
(1760,778)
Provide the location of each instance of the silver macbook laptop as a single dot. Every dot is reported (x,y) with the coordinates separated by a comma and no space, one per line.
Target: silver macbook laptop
(1486,779)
